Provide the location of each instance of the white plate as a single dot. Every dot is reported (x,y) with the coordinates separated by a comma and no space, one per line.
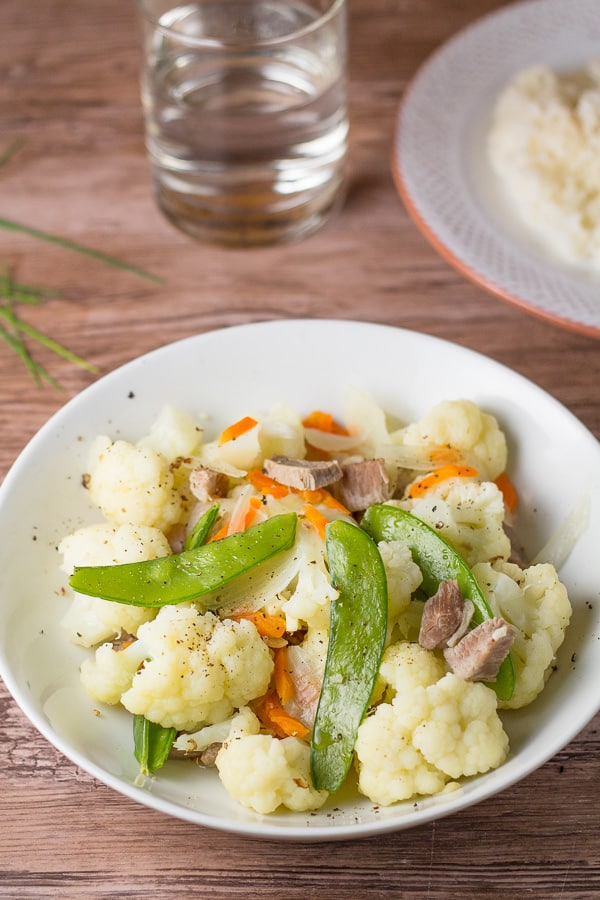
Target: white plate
(226,373)
(440,163)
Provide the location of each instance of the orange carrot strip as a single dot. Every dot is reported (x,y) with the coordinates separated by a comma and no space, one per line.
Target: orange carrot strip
(266,624)
(221,533)
(284,684)
(237,429)
(450,471)
(331,503)
(322,421)
(316,518)
(508,490)
(127,644)
(267,485)
(274,717)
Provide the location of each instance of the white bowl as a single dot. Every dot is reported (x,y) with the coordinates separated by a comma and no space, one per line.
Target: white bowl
(308,364)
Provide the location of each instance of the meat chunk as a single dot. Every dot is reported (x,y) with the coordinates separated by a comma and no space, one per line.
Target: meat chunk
(478,656)
(445,618)
(206,757)
(207,484)
(363,483)
(303,474)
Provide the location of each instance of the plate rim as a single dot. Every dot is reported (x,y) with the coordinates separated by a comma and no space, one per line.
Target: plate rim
(453,257)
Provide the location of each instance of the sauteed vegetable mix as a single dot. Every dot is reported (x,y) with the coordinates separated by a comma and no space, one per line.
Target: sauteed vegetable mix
(298,602)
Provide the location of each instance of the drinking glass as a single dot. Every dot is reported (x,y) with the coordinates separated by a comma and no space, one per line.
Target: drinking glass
(246,115)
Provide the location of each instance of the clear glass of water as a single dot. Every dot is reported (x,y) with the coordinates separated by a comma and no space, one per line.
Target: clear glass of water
(246,115)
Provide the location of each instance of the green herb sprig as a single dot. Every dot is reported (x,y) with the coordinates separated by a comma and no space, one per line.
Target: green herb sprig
(14,330)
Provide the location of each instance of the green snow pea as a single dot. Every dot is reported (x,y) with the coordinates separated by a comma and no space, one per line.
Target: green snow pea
(190,574)
(201,529)
(152,744)
(438,561)
(357,633)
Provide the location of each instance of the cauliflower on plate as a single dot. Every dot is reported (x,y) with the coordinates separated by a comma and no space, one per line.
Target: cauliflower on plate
(462,425)
(407,665)
(282,433)
(91,620)
(309,602)
(173,434)
(390,767)
(427,736)
(403,578)
(133,485)
(468,514)
(109,674)
(199,670)
(263,773)
(537,604)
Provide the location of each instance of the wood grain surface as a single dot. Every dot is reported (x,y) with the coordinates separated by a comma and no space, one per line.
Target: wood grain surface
(69,91)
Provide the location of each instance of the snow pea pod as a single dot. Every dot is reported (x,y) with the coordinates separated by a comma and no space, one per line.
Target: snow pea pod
(438,561)
(201,529)
(152,744)
(357,633)
(190,574)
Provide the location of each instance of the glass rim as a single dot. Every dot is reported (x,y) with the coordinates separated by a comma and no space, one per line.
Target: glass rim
(211,43)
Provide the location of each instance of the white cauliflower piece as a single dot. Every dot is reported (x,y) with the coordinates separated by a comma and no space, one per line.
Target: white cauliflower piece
(263,773)
(91,620)
(200,668)
(462,425)
(469,515)
(537,604)
(390,768)
(426,736)
(174,433)
(310,600)
(456,726)
(403,578)
(134,485)
(407,665)
(107,676)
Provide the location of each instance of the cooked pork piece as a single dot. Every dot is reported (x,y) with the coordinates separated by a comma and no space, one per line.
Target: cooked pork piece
(303,474)
(363,483)
(478,656)
(443,616)
(207,484)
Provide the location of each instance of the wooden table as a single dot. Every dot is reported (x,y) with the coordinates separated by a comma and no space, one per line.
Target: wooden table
(69,89)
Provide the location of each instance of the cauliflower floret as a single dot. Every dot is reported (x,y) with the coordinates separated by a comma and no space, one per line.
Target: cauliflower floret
(427,736)
(91,620)
(390,768)
(456,726)
(200,668)
(537,603)
(310,601)
(110,673)
(174,433)
(462,425)
(407,665)
(263,773)
(403,578)
(134,485)
(469,515)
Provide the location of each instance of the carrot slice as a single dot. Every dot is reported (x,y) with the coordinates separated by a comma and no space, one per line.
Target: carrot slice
(322,421)
(442,474)
(267,485)
(316,518)
(284,684)
(237,429)
(274,717)
(266,624)
(508,490)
